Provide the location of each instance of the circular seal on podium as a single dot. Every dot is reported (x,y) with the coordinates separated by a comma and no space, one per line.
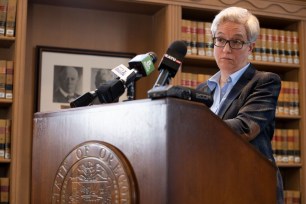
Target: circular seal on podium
(94,172)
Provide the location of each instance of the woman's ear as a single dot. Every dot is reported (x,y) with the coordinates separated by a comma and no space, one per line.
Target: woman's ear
(251,47)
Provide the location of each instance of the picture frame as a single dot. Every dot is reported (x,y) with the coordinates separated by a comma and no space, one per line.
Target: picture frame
(64,74)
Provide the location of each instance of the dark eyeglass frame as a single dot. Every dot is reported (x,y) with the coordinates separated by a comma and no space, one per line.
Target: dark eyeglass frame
(230,42)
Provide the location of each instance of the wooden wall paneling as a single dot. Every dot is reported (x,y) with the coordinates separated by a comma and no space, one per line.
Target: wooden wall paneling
(104,30)
(158,45)
(302,94)
(166,28)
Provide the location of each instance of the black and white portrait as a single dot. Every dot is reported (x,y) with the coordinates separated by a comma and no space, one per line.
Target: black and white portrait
(100,76)
(67,83)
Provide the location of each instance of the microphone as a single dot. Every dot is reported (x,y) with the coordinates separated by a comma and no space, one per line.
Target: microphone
(110,91)
(171,62)
(143,64)
(107,92)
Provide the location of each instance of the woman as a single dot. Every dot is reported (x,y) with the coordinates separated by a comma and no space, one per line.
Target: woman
(243,97)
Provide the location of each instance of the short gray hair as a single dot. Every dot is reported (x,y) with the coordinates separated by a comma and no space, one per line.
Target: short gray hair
(241,16)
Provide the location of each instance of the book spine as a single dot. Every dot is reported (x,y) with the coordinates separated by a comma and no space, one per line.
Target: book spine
(2,137)
(275,40)
(280,102)
(9,79)
(201,38)
(257,49)
(296,102)
(183,79)
(286,104)
(296,197)
(290,145)
(186,34)
(263,33)
(194,80)
(297,152)
(282,43)
(284,146)
(200,79)
(270,45)
(194,49)
(3,13)
(2,78)
(208,40)
(295,47)
(4,190)
(7,147)
(288,196)
(288,47)
(188,80)
(11,18)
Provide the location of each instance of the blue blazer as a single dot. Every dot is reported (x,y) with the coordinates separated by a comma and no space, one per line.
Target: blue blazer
(249,110)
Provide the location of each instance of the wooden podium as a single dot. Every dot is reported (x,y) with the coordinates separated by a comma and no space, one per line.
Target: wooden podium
(166,151)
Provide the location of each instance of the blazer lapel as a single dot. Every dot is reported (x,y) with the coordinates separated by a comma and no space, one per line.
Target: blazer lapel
(236,90)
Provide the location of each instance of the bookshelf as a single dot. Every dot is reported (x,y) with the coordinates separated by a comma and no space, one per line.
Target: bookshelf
(148,25)
(7,106)
(292,171)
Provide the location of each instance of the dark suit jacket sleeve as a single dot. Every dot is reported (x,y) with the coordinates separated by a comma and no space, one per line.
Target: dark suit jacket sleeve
(253,111)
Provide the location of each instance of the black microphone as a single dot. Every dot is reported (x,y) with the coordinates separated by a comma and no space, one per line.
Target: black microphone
(171,62)
(110,91)
(84,100)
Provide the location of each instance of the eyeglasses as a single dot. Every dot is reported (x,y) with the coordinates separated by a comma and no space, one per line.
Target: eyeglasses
(234,44)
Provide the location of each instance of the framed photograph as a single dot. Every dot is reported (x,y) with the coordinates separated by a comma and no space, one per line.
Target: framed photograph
(64,74)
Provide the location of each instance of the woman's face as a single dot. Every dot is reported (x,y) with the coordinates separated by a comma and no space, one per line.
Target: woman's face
(231,60)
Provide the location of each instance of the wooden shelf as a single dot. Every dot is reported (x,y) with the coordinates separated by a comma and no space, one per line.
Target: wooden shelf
(5,102)
(287,165)
(6,42)
(5,161)
(288,117)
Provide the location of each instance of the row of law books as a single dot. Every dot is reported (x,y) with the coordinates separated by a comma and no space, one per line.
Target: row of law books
(198,37)
(4,190)
(292,197)
(5,138)
(272,45)
(286,146)
(192,80)
(288,100)
(6,79)
(275,45)
(8,17)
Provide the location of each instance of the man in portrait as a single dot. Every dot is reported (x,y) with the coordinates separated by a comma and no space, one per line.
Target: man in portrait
(66,83)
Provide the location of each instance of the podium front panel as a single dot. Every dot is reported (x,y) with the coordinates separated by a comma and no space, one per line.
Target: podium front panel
(168,151)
